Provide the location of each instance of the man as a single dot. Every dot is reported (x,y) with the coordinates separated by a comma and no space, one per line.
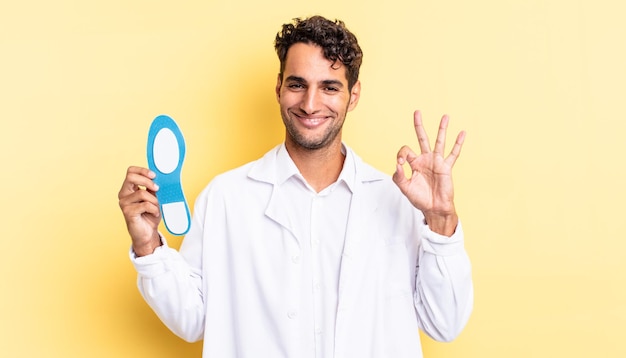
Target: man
(308,251)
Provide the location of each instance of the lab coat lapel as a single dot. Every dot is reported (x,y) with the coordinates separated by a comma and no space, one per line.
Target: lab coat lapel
(362,208)
(358,234)
(364,204)
(276,210)
(356,247)
(266,170)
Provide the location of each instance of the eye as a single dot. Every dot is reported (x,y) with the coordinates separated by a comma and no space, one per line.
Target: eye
(332,89)
(295,86)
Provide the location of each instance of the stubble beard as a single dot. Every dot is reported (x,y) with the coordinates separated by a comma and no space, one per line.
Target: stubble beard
(300,139)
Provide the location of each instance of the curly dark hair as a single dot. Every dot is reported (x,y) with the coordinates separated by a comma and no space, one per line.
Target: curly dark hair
(337,42)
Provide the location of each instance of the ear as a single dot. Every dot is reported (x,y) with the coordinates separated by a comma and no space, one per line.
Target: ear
(355,94)
(279,83)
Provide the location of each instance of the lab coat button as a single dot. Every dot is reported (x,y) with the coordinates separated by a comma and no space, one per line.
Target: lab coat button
(292,314)
(295,259)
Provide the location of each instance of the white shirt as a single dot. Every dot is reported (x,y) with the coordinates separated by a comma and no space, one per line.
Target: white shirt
(246,276)
(323,217)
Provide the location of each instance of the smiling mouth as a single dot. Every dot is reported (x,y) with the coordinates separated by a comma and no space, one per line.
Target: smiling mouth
(311,122)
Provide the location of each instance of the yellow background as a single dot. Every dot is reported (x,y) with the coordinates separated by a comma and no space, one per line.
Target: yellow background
(540,86)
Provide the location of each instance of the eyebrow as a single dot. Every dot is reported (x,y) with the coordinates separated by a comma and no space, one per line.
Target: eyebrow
(335,83)
(299,79)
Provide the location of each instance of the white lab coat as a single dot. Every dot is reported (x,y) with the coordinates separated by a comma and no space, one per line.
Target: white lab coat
(239,281)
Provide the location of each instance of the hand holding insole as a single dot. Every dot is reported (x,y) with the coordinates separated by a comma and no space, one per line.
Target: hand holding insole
(166,153)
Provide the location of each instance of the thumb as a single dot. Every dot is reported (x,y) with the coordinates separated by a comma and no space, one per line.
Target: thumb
(400,178)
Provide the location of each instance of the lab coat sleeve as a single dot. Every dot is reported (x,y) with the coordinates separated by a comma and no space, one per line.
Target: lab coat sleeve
(172,287)
(444,293)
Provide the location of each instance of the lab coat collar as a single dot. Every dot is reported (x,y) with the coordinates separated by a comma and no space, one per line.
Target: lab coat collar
(275,167)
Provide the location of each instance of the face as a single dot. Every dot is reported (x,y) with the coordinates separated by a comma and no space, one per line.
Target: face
(314,98)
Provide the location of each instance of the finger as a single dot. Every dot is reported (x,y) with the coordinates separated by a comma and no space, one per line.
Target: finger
(422,137)
(137,178)
(406,155)
(400,178)
(456,150)
(140,196)
(136,205)
(133,184)
(133,211)
(140,172)
(403,177)
(440,143)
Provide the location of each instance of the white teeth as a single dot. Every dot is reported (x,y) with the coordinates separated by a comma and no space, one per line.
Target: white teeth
(315,120)
(311,121)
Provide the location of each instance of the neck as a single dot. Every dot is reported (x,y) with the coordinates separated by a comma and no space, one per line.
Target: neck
(320,167)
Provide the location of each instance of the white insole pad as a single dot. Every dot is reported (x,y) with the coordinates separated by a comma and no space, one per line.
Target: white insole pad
(166,154)
(177,217)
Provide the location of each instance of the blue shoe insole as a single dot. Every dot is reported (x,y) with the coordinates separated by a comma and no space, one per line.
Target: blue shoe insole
(166,153)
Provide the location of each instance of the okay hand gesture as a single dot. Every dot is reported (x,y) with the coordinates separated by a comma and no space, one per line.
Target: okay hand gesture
(430,188)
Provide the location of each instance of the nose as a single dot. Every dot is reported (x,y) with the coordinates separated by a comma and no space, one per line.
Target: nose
(310,101)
